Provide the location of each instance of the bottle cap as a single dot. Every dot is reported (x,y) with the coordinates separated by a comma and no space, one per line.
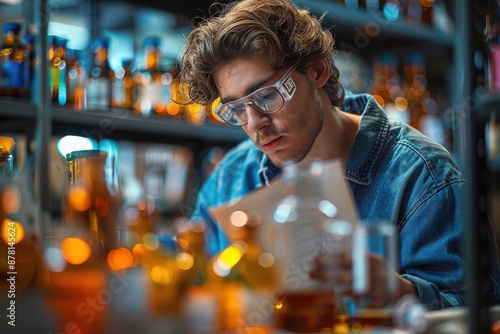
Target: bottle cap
(126,62)
(101,42)
(84,154)
(416,58)
(151,41)
(388,59)
(15,27)
(61,41)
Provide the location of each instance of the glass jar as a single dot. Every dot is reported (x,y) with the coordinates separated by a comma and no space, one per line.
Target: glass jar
(89,205)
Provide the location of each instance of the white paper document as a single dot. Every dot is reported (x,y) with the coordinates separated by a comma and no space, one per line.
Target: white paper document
(293,245)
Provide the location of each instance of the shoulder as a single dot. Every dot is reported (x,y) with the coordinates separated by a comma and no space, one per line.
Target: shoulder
(242,156)
(421,154)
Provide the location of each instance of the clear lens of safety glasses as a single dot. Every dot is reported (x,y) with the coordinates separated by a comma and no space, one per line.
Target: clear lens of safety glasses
(267,100)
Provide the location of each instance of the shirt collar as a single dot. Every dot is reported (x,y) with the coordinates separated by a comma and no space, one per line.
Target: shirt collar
(369,139)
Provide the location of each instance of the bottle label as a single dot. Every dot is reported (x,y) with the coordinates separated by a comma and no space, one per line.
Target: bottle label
(149,95)
(12,74)
(119,94)
(98,93)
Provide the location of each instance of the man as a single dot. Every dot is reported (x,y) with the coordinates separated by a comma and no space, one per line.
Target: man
(272,67)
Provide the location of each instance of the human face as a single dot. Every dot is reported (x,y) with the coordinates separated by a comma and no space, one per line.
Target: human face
(267,100)
(285,136)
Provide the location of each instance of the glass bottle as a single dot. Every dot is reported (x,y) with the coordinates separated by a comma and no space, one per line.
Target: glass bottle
(424,110)
(6,157)
(58,69)
(152,85)
(89,205)
(178,101)
(77,81)
(29,65)
(243,277)
(419,11)
(11,61)
(386,87)
(124,86)
(101,77)
(71,78)
(304,305)
(492,45)
(391,9)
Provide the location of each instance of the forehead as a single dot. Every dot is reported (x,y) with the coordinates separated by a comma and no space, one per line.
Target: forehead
(236,77)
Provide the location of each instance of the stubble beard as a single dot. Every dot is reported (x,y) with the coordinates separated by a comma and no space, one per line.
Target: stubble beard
(303,151)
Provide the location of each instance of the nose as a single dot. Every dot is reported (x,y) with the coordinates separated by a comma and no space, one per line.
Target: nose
(255,119)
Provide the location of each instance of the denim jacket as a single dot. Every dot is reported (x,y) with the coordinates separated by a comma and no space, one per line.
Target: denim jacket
(397,175)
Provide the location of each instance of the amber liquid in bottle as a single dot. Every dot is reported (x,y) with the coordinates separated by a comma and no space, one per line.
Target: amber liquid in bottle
(152,84)
(12,61)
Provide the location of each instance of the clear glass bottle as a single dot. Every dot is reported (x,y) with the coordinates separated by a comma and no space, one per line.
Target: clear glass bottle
(89,204)
(101,77)
(305,305)
(124,86)
(6,157)
(58,69)
(11,61)
(152,85)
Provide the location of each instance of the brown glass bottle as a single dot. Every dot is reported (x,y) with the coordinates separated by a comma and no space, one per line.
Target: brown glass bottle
(386,87)
(29,65)
(101,77)
(152,84)
(89,203)
(11,61)
(57,69)
(123,94)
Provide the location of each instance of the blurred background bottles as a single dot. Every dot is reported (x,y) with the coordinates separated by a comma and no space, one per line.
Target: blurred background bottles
(492,47)
(12,62)
(123,93)
(58,69)
(386,87)
(90,205)
(152,84)
(101,77)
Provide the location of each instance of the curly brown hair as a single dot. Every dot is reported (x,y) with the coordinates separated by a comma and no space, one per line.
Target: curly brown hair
(277,30)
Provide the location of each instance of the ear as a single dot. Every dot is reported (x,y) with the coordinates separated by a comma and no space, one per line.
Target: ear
(319,73)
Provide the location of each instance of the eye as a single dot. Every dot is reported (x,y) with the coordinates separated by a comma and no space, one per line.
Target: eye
(266,96)
(238,109)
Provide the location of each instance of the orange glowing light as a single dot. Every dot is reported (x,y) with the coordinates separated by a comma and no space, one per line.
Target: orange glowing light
(75,251)
(161,275)
(194,108)
(379,99)
(10,199)
(79,199)
(184,261)
(12,232)
(142,254)
(120,258)
(173,109)
(401,104)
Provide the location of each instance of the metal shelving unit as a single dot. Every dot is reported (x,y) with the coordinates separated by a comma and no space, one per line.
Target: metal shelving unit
(340,16)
